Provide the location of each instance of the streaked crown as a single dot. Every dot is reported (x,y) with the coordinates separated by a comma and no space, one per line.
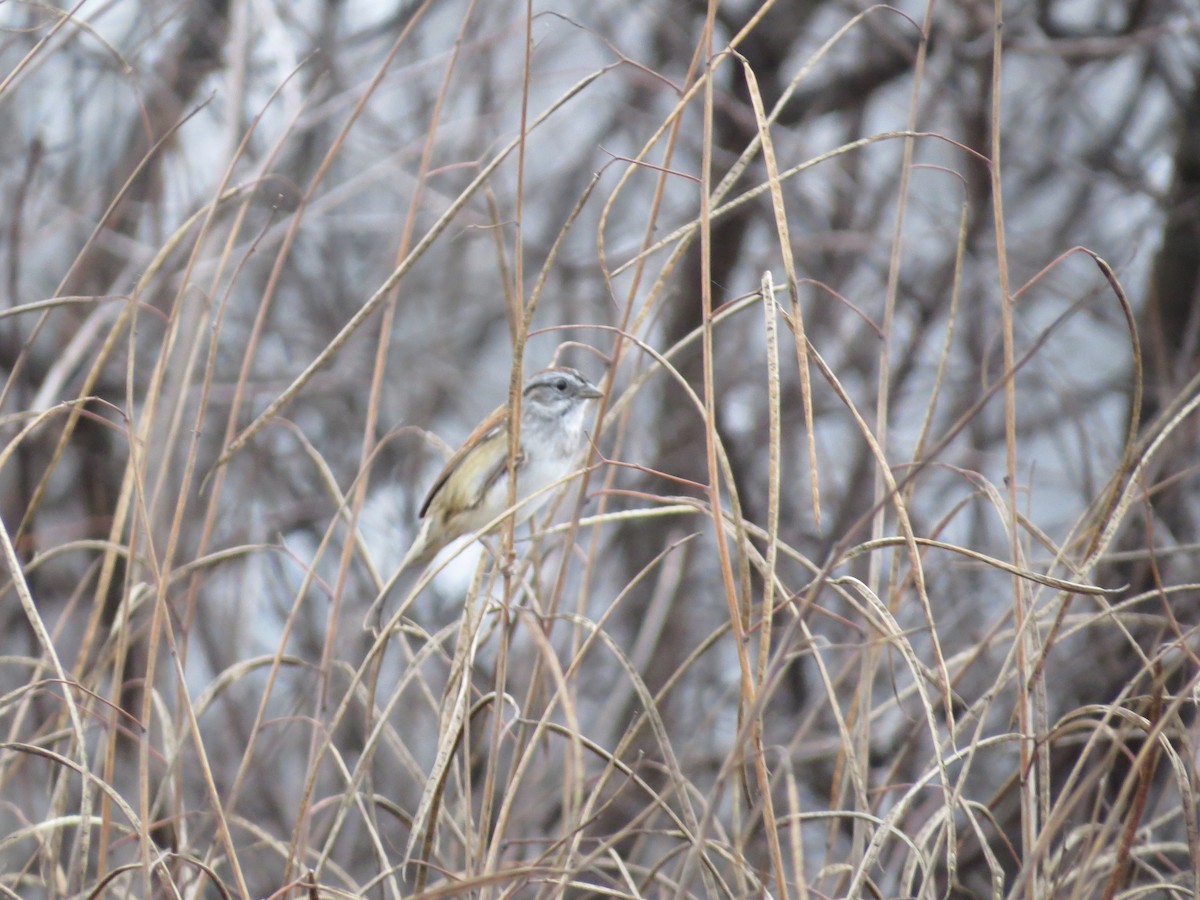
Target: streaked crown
(559,387)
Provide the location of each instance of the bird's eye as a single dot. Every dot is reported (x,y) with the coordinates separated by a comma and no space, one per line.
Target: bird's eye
(561,385)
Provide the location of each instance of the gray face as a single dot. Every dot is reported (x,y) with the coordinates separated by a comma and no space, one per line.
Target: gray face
(556,391)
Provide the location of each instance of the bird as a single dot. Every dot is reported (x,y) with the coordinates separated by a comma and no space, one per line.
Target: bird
(472,488)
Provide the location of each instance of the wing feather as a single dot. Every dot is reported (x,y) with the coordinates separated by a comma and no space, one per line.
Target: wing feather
(480,441)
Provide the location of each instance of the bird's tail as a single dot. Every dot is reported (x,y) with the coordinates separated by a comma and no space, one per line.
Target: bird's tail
(419,555)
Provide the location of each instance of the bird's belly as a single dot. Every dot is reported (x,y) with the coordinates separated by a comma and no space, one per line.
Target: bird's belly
(533,479)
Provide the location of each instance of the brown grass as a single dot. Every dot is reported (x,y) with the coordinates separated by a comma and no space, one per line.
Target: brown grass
(879,581)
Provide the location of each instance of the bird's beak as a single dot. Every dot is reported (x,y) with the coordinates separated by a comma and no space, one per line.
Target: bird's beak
(591,392)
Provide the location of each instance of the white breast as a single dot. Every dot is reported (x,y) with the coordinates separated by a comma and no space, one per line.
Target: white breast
(552,451)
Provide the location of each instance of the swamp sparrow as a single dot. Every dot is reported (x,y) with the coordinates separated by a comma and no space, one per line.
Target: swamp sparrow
(472,488)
